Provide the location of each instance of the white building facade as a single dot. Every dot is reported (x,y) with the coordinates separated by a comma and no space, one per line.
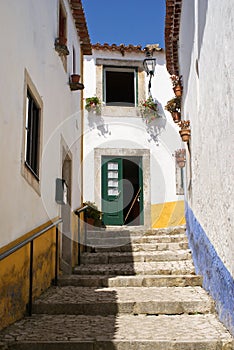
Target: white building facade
(203,55)
(129,164)
(43,43)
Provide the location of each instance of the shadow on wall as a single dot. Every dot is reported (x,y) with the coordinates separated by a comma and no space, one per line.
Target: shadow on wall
(156,126)
(100,268)
(97,121)
(202,13)
(188,17)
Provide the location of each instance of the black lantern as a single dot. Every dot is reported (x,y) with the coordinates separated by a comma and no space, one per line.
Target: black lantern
(149,65)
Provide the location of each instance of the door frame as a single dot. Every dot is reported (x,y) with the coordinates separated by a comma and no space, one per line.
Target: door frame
(125,153)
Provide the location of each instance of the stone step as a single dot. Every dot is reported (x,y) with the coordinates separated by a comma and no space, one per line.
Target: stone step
(115,258)
(120,241)
(130,281)
(131,300)
(132,232)
(183,267)
(144,247)
(119,332)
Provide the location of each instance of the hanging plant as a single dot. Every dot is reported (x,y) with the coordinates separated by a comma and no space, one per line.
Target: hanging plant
(177,84)
(149,110)
(185,131)
(93,105)
(173,106)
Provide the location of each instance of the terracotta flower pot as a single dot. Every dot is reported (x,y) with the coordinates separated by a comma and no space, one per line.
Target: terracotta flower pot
(181,162)
(185,134)
(75,78)
(178,90)
(176,116)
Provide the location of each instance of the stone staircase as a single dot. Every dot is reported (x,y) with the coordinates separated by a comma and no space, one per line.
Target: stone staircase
(134,290)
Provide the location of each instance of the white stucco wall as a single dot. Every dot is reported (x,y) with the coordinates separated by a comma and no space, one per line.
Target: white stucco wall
(206,61)
(27,42)
(132,132)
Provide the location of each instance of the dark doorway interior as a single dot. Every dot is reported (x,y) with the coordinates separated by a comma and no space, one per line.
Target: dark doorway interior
(66,216)
(131,194)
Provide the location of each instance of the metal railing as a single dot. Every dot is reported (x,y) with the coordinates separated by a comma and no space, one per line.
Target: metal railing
(78,212)
(30,241)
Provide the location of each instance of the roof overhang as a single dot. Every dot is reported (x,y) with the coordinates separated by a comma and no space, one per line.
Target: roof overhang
(81,26)
(172,30)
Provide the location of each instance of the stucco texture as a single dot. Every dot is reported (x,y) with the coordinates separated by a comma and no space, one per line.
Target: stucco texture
(14,275)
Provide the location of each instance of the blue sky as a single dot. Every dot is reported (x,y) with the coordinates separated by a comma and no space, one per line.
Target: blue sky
(134,22)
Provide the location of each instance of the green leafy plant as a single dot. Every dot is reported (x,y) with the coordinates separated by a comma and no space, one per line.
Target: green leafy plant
(93,104)
(173,105)
(94,213)
(149,109)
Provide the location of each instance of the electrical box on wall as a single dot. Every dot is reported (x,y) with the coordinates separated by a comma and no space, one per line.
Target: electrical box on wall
(61,191)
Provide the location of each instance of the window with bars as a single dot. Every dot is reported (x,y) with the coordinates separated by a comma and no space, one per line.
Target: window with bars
(32,147)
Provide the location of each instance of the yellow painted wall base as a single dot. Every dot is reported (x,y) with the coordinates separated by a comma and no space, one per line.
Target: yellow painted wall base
(14,274)
(167,214)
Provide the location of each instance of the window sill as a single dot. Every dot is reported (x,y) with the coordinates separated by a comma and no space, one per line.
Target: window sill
(120,111)
(31,179)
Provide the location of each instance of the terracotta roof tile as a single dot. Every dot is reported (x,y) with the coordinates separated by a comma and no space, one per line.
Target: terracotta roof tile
(81,26)
(123,48)
(172,28)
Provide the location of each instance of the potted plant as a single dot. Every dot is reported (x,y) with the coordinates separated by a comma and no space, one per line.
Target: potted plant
(173,106)
(177,84)
(93,215)
(93,105)
(149,109)
(185,131)
(60,46)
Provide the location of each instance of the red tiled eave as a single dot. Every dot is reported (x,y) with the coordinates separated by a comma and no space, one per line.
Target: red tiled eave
(122,48)
(81,26)
(172,28)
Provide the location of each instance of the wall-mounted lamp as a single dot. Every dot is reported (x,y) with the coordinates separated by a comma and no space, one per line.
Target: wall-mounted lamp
(149,65)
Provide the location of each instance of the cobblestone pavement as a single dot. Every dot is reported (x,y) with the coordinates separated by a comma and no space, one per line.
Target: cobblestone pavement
(75,295)
(148,268)
(192,329)
(150,301)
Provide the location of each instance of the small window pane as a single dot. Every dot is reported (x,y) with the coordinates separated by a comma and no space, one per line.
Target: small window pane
(112,174)
(113,183)
(112,166)
(113,192)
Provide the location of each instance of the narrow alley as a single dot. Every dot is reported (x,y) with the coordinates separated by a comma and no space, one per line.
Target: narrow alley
(117,171)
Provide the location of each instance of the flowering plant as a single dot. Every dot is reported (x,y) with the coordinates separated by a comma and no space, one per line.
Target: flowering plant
(184,124)
(149,109)
(176,80)
(93,104)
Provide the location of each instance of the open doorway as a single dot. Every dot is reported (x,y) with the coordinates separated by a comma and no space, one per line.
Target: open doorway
(122,191)
(66,216)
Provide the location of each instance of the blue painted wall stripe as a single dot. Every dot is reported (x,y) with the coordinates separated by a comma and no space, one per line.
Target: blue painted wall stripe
(217,280)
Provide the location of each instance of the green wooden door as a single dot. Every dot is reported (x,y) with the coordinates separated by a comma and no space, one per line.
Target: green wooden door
(112,191)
